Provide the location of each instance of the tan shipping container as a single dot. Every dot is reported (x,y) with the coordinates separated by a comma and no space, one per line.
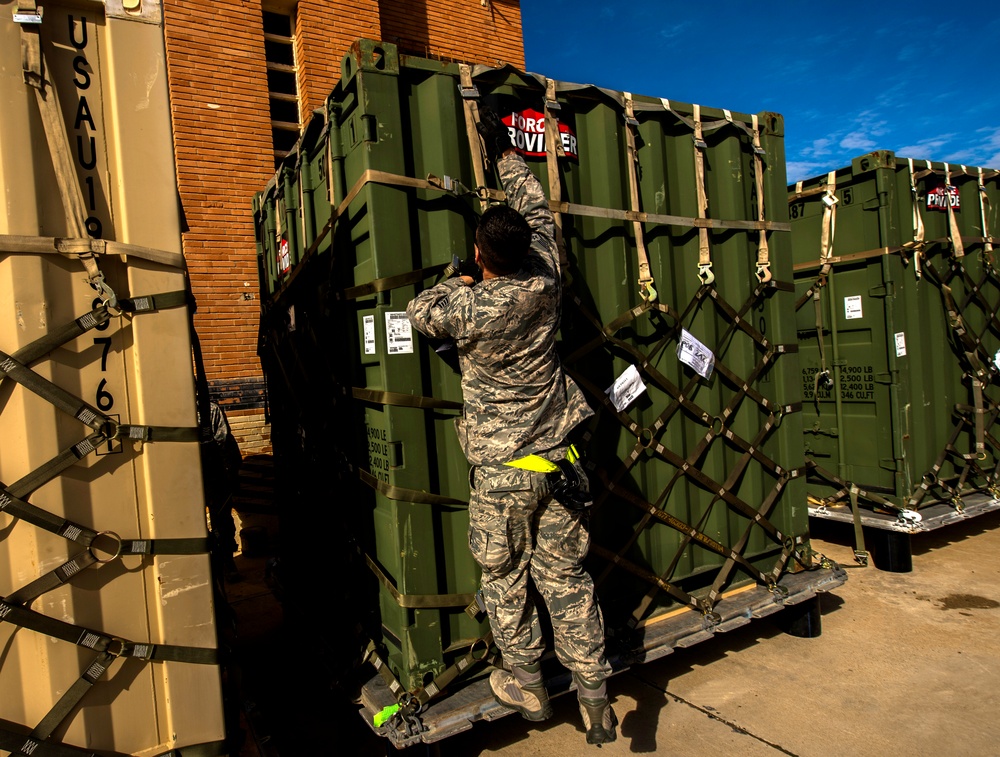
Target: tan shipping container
(107,625)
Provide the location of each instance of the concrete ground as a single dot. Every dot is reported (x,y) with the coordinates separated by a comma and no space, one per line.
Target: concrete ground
(907,664)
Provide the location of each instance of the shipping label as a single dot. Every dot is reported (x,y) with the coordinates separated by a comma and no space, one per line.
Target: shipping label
(368,323)
(852,308)
(626,388)
(695,355)
(398,334)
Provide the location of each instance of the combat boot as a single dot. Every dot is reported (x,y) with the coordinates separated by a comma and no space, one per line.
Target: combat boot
(599,719)
(522,690)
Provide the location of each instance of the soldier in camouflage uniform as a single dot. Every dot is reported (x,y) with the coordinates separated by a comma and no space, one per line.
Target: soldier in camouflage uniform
(519,402)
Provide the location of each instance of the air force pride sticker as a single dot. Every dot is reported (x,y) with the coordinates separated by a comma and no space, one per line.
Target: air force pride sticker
(527,133)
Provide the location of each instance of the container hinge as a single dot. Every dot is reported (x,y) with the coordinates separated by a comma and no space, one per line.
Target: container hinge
(889,464)
(888,377)
(369,128)
(887,289)
(470,92)
(880,201)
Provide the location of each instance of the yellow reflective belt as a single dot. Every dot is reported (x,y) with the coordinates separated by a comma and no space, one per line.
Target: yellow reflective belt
(539,464)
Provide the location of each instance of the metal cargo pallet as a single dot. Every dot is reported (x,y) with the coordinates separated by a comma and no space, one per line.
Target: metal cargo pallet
(655,639)
(931,517)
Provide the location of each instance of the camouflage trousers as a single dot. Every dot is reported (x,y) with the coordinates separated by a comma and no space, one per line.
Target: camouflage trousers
(520,535)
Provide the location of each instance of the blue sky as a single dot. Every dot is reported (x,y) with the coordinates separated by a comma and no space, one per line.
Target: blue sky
(920,78)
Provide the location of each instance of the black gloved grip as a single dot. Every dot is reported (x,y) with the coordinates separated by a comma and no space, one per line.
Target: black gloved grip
(496,137)
(468,267)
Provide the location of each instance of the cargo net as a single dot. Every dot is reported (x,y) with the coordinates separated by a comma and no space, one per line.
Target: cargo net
(89,548)
(964,270)
(740,430)
(970,295)
(713,429)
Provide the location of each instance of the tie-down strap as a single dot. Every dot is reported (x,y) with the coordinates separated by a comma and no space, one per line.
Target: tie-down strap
(420,601)
(100,315)
(481,650)
(450,186)
(86,413)
(404,494)
(18,743)
(84,536)
(86,248)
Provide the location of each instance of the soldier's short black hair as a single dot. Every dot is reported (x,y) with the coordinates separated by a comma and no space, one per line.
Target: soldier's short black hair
(504,239)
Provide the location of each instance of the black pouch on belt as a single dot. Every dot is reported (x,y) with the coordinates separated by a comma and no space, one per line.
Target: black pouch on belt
(566,485)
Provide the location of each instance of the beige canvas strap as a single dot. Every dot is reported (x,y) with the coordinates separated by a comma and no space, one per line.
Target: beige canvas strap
(704,250)
(470,96)
(984,201)
(34,71)
(919,243)
(953,231)
(646,290)
(763,254)
(553,151)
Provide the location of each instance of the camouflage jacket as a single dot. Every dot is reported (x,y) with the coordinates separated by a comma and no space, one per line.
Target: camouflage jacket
(518,400)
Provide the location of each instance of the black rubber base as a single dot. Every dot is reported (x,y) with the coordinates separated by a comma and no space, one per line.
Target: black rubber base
(889,550)
(804,620)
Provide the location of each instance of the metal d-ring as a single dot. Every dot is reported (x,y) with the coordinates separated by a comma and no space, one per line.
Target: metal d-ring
(646,438)
(118,550)
(472,649)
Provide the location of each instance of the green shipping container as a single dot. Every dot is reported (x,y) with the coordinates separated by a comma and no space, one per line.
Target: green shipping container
(898,332)
(678,325)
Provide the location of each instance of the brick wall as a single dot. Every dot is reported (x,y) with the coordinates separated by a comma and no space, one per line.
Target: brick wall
(222,142)
(466,30)
(222,139)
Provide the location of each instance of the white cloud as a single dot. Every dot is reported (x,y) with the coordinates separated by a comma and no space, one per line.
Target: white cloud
(858,140)
(926,148)
(802,169)
(818,148)
(981,149)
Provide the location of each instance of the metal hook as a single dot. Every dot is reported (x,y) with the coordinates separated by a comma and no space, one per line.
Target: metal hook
(705,274)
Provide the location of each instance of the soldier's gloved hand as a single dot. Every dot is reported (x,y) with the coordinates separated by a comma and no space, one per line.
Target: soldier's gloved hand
(469,268)
(496,137)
